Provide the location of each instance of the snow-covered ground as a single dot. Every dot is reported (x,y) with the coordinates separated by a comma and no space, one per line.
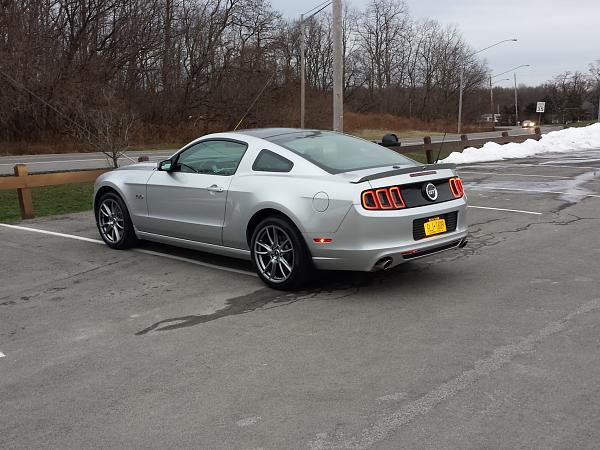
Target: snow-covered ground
(562,141)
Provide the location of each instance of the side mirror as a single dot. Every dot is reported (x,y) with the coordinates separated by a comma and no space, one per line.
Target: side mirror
(165,165)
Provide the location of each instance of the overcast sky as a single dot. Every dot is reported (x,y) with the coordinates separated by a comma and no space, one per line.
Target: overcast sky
(554,35)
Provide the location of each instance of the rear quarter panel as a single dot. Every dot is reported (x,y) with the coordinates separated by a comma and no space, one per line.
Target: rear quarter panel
(289,194)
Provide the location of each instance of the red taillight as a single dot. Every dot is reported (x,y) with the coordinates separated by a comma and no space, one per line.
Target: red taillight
(369,201)
(396,197)
(383,198)
(456,187)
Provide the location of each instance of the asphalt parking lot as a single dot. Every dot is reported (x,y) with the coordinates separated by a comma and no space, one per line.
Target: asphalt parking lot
(492,346)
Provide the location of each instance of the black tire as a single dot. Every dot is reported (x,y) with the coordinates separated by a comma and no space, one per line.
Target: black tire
(272,265)
(112,214)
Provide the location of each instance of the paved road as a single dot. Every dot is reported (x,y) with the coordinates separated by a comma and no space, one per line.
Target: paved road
(492,346)
(78,161)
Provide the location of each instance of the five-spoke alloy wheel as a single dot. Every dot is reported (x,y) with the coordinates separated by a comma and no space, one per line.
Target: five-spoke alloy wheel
(114,222)
(279,254)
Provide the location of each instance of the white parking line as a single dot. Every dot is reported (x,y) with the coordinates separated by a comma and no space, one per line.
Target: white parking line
(193,261)
(51,233)
(515,174)
(575,194)
(508,210)
(137,250)
(492,164)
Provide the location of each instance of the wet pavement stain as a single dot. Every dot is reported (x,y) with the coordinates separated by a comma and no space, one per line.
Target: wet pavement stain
(338,286)
(237,305)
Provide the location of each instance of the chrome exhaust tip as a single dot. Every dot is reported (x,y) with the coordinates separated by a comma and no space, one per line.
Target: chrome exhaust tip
(463,243)
(383,263)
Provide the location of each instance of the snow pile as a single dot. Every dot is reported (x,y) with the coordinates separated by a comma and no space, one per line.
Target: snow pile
(563,141)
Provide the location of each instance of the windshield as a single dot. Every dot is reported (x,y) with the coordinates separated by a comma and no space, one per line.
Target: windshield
(337,153)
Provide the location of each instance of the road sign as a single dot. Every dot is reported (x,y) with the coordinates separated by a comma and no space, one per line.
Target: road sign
(541,106)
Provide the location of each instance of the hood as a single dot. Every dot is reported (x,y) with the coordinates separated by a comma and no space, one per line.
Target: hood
(148,166)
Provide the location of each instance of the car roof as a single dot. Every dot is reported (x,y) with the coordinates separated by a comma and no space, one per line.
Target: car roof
(266,133)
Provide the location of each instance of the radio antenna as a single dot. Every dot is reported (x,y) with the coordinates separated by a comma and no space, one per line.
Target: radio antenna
(440,150)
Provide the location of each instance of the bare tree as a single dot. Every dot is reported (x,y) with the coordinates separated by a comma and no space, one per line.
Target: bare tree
(106,128)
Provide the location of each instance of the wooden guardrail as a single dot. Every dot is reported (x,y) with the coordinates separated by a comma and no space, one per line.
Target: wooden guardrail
(22,181)
(432,149)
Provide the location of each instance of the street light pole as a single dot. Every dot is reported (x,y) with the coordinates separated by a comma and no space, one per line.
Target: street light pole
(462,69)
(338,62)
(503,73)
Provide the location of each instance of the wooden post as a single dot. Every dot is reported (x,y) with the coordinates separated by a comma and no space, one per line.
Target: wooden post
(24,194)
(428,149)
(464,139)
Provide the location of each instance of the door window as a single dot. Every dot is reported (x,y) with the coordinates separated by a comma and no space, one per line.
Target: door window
(214,157)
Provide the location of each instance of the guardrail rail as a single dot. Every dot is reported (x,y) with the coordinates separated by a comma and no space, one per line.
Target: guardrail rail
(22,181)
(431,149)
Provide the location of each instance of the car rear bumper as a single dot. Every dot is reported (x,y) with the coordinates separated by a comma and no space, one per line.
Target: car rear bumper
(366,238)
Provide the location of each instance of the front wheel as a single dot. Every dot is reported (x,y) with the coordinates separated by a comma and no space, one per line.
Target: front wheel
(114,223)
(279,254)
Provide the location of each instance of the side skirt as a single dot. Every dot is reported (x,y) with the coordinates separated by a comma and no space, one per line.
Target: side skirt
(194,245)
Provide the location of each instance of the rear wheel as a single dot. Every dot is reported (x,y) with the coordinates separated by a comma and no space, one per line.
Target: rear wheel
(279,254)
(114,223)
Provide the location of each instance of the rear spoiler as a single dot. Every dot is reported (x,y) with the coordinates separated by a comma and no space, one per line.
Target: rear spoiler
(415,169)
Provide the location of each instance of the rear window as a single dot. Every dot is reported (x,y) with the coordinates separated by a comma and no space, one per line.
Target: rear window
(337,153)
(267,161)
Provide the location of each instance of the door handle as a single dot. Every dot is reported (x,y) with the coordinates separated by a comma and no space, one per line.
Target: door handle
(215,188)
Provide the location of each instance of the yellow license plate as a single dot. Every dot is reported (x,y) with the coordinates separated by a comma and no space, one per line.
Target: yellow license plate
(435,225)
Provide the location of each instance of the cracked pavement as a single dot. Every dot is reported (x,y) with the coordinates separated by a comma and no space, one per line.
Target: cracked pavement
(491,346)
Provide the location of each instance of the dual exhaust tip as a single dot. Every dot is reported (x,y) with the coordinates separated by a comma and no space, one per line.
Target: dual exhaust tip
(386,262)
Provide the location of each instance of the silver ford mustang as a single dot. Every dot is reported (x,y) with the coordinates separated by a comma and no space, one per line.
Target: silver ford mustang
(290,200)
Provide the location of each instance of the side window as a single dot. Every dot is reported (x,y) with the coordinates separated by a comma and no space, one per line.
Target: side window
(212,157)
(267,161)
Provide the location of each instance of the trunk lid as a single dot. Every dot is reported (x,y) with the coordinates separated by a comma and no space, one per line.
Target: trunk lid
(413,182)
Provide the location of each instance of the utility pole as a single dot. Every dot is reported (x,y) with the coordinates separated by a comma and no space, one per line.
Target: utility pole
(516,107)
(492,105)
(492,93)
(302,72)
(460,95)
(338,63)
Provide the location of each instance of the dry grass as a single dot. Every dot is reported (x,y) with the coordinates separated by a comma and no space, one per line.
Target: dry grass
(377,134)
(374,126)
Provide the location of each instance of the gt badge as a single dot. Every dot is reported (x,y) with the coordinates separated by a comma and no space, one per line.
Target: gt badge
(430,192)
